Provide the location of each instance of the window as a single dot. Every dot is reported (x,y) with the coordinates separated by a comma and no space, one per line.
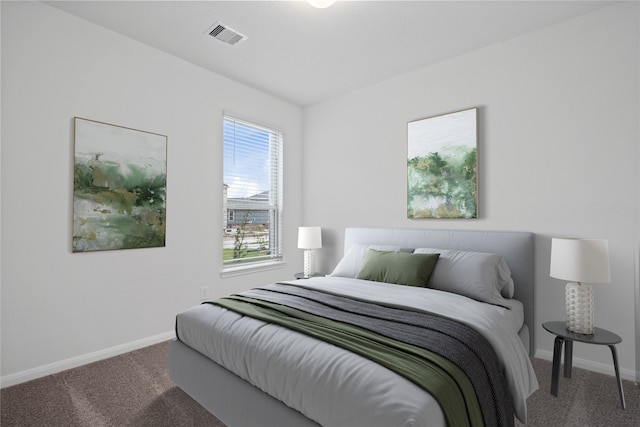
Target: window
(252,174)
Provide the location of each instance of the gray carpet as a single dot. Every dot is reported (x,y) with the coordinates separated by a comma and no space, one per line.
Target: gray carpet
(587,399)
(134,389)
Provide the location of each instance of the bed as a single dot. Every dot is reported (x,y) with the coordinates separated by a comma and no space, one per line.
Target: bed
(237,374)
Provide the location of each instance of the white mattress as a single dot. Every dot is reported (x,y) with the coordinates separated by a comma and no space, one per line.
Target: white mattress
(335,387)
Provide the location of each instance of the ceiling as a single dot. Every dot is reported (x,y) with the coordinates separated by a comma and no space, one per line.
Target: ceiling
(306,55)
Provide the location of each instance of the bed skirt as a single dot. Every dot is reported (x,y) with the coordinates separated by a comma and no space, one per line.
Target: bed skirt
(233,401)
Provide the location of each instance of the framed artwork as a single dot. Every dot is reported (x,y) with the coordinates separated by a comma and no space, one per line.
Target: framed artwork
(442,168)
(119,187)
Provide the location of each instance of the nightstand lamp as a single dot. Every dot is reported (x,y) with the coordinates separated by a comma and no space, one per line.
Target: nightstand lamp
(580,260)
(309,239)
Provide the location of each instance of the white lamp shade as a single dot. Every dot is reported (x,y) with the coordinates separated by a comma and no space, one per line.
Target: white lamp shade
(309,238)
(580,260)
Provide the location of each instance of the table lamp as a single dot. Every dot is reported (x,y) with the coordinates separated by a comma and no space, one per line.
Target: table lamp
(309,239)
(580,260)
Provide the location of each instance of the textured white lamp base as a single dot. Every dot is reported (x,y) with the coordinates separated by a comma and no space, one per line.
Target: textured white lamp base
(309,262)
(579,301)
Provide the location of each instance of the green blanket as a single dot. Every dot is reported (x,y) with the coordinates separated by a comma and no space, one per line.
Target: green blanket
(435,374)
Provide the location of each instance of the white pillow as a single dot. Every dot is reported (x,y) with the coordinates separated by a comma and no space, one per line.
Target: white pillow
(479,275)
(350,264)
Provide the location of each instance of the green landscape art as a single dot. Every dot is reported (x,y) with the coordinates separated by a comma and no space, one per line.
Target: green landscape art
(442,166)
(119,187)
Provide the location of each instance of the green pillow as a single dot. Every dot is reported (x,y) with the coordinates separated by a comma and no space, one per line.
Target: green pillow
(401,268)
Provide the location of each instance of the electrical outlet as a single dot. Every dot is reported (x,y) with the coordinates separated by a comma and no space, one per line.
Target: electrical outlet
(204,293)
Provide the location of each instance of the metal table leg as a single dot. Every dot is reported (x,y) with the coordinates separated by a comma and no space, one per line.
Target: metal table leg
(615,365)
(557,353)
(568,358)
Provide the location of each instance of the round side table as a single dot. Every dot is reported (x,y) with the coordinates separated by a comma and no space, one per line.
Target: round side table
(563,335)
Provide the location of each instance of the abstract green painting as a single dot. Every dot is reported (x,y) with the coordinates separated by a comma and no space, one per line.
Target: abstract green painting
(119,187)
(442,180)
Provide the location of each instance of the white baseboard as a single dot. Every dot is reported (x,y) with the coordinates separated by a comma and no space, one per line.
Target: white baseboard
(63,365)
(602,368)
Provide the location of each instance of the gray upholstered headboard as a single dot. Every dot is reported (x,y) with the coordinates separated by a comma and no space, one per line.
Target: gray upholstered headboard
(516,247)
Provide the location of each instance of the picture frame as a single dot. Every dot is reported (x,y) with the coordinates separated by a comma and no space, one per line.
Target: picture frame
(119,187)
(442,166)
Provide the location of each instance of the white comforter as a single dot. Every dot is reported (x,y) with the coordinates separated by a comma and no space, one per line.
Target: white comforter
(335,387)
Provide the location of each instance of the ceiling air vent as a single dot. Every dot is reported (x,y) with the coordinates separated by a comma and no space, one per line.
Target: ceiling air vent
(225,34)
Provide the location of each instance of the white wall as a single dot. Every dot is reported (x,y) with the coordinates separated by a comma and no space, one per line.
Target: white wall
(59,308)
(558,155)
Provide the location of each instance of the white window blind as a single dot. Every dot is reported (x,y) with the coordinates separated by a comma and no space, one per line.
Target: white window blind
(252,174)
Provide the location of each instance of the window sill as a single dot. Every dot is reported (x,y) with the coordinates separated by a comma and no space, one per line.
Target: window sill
(239,270)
